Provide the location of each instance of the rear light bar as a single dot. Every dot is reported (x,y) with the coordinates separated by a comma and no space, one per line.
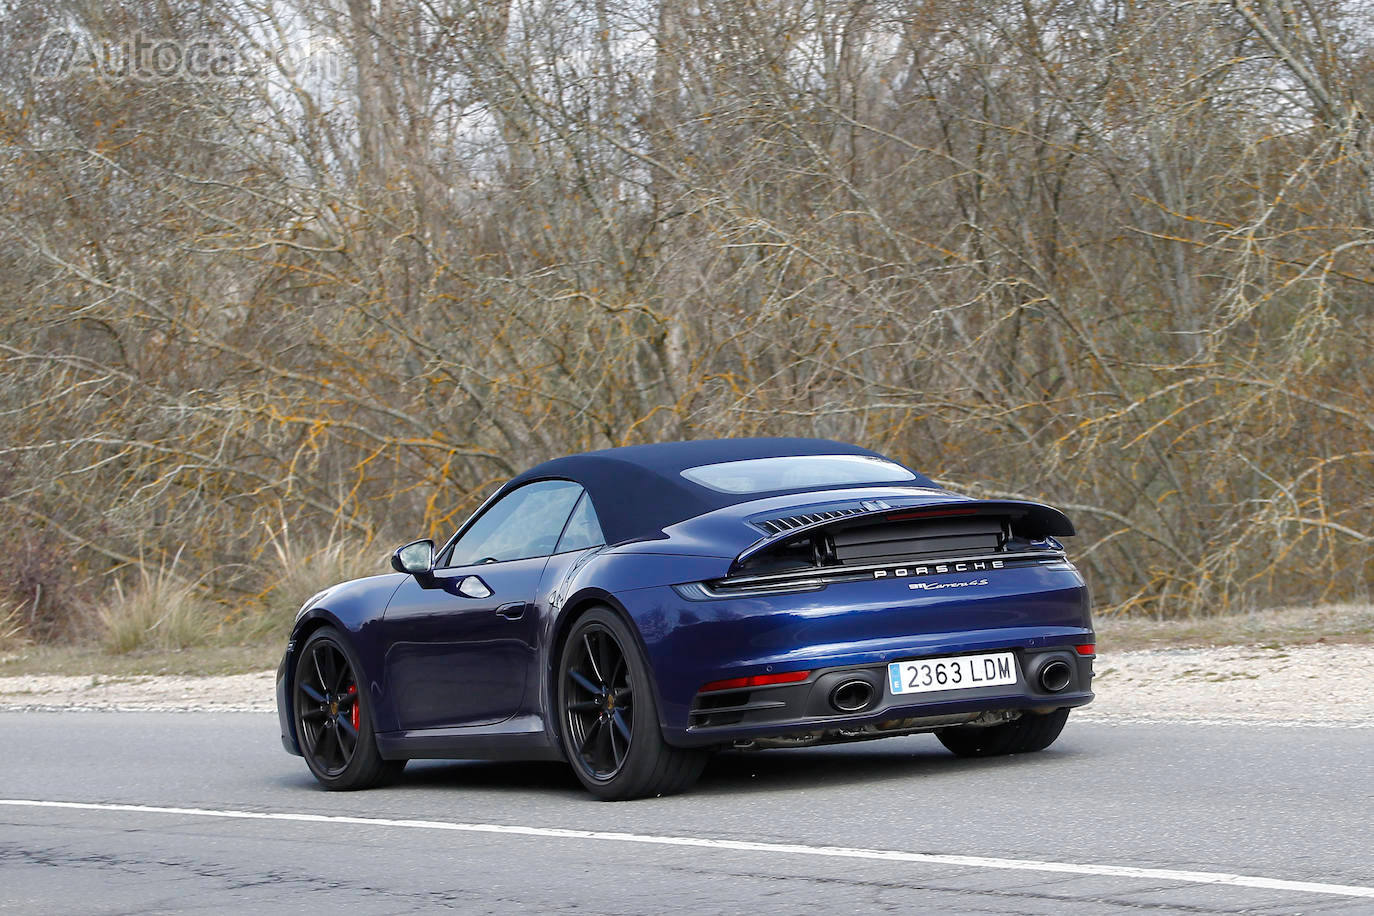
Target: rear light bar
(757,680)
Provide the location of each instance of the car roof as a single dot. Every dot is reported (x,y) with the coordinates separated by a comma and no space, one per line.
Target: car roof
(639,490)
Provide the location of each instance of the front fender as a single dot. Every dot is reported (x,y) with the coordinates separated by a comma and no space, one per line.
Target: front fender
(355,609)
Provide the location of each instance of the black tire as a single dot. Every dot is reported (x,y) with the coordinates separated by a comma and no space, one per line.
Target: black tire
(608,718)
(334,717)
(1031,732)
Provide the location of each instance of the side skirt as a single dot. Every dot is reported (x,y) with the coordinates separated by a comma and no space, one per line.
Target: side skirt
(520,738)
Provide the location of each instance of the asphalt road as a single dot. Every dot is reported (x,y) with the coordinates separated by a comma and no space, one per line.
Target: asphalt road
(1287,807)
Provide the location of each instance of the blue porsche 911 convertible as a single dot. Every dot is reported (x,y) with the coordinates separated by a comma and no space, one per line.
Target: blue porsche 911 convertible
(630,610)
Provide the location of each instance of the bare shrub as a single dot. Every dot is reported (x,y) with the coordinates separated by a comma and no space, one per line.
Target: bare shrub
(41,585)
(1113,256)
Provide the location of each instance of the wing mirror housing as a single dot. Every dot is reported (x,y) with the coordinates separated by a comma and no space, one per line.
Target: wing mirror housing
(415,558)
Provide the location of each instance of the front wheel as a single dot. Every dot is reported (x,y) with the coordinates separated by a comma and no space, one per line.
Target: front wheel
(1031,732)
(608,717)
(334,717)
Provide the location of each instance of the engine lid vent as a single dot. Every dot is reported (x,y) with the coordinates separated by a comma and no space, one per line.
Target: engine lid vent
(790,522)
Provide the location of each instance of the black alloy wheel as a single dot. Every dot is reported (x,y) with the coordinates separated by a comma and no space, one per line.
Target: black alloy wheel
(609,719)
(333,723)
(600,708)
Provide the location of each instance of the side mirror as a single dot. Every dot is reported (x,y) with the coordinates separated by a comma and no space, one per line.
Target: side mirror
(415,558)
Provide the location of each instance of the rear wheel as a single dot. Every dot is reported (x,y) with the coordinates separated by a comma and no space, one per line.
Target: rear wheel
(334,717)
(608,718)
(1031,732)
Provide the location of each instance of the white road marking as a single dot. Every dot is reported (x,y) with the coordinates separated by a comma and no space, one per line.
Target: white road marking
(835,852)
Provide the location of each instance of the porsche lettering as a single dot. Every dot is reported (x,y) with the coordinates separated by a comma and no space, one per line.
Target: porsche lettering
(902,572)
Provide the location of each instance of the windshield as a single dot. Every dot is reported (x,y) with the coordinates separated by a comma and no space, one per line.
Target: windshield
(796,472)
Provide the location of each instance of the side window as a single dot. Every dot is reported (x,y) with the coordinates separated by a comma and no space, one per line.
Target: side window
(584,530)
(524,523)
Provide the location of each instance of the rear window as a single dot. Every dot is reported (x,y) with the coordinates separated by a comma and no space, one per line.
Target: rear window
(796,472)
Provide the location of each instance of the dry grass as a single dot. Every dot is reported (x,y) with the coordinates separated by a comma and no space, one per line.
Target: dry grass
(160,612)
(166,625)
(11,628)
(296,572)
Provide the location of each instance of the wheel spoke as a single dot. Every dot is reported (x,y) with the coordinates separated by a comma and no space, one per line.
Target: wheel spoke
(311,692)
(343,753)
(621,725)
(591,657)
(344,731)
(343,679)
(587,738)
(606,741)
(582,682)
(319,674)
(313,714)
(328,741)
(584,706)
(608,658)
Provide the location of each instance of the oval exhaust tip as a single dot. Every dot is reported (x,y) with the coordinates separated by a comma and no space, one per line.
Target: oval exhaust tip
(1055,675)
(852,696)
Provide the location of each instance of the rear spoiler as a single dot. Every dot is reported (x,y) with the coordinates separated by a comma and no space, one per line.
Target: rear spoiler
(1032,521)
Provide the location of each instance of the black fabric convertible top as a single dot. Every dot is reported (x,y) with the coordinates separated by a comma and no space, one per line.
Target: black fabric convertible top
(639,490)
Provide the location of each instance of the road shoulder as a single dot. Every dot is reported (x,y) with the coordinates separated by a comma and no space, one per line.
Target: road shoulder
(1300,685)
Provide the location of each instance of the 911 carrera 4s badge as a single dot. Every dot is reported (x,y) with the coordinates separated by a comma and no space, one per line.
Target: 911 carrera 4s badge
(931,586)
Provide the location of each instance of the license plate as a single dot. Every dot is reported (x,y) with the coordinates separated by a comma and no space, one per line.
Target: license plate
(921,675)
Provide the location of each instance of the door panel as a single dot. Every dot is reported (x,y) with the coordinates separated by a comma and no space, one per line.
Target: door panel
(456,660)
(460,652)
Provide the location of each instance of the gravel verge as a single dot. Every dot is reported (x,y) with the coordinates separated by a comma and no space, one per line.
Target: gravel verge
(142,693)
(1300,685)
(1297,685)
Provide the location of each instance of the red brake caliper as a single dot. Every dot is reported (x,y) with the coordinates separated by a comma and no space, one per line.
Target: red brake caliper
(354,712)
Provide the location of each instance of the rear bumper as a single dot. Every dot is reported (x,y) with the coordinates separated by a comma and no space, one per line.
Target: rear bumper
(808,707)
(859,626)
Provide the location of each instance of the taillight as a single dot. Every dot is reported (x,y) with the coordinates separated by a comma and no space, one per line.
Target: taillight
(1086,649)
(756,680)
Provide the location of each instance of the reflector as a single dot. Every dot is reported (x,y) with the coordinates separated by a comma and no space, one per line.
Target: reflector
(757,680)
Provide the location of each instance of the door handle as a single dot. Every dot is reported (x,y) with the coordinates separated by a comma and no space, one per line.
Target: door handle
(513,611)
